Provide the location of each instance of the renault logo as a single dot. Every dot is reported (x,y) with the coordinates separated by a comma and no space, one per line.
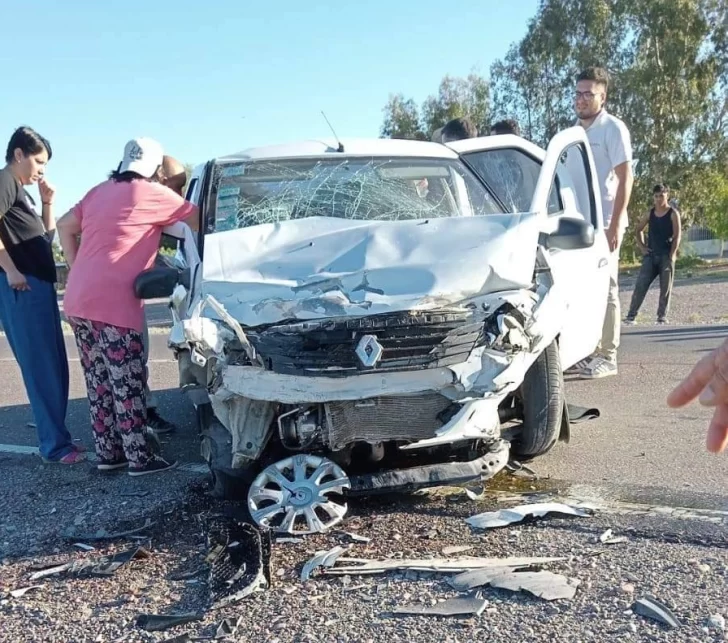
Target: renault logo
(369,350)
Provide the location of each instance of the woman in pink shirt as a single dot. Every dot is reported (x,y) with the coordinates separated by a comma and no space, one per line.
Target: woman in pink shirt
(120,222)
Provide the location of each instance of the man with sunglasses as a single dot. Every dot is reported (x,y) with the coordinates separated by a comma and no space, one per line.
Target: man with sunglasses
(611,148)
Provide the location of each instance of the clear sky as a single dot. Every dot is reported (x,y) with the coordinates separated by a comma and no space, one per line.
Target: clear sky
(212,78)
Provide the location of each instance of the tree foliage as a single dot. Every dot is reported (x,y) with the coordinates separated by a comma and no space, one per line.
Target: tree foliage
(668,66)
(455,97)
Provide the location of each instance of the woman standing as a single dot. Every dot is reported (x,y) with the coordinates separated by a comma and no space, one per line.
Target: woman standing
(120,222)
(28,302)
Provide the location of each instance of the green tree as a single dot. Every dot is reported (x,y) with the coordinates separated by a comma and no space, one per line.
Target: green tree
(668,62)
(455,97)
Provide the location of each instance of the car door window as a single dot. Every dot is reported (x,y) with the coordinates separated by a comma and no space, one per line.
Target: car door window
(574,182)
(512,175)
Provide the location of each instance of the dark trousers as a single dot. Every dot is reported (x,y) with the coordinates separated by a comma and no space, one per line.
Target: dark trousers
(32,325)
(653,266)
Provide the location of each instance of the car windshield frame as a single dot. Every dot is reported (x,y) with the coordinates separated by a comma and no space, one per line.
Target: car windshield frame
(341,181)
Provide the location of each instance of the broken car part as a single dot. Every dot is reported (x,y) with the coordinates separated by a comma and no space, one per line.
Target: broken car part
(239,559)
(22,591)
(322,559)
(161,622)
(358,566)
(459,606)
(228,627)
(651,608)
(297,495)
(543,584)
(504,517)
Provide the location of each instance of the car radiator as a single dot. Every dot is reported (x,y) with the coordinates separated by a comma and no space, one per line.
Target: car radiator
(407,418)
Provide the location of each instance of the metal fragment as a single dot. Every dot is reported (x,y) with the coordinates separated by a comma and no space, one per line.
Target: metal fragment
(651,608)
(324,558)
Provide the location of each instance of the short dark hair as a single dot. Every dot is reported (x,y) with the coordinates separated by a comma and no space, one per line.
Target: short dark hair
(458,129)
(660,188)
(506,126)
(125,177)
(595,74)
(29,142)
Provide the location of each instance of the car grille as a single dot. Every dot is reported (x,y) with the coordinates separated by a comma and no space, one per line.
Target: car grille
(408,418)
(409,341)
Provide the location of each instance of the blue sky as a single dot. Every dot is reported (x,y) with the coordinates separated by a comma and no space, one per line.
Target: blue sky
(211,78)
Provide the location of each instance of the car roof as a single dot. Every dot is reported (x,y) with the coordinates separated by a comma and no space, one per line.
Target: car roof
(352,147)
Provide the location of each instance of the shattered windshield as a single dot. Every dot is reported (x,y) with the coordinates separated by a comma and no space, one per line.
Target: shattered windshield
(374,188)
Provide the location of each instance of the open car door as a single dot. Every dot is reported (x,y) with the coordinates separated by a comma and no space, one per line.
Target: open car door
(575,241)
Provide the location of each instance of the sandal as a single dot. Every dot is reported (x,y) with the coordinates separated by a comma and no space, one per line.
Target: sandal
(74,457)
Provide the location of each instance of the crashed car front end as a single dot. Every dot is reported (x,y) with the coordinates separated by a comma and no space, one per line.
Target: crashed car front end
(386,347)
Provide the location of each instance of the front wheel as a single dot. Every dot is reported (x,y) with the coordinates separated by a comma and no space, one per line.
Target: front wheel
(542,395)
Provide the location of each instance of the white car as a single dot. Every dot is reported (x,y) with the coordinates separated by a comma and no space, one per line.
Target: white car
(375,315)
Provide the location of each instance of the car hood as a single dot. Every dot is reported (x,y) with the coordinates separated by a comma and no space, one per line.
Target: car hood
(326,267)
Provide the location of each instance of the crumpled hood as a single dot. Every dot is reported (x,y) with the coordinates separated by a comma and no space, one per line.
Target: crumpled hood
(327,267)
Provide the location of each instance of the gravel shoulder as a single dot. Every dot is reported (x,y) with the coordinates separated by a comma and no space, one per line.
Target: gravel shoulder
(682,562)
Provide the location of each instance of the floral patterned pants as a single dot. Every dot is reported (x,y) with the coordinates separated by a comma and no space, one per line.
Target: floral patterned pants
(113,365)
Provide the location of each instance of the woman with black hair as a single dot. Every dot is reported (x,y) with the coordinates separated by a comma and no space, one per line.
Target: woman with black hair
(120,222)
(28,303)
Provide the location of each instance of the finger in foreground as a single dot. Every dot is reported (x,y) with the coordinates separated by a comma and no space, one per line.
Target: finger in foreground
(718,430)
(694,383)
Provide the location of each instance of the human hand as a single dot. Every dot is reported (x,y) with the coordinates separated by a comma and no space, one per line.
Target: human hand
(709,380)
(614,238)
(47,191)
(645,251)
(17,280)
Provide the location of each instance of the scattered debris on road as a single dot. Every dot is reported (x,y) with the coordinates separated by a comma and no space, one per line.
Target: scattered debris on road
(102,534)
(161,622)
(358,566)
(456,549)
(459,606)
(651,608)
(239,559)
(543,584)
(84,547)
(326,558)
(22,591)
(608,538)
(505,517)
(228,627)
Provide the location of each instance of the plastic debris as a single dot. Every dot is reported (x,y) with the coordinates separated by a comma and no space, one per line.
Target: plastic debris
(84,547)
(228,628)
(477,577)
(356,538)
(504,517)
(288,540)
(160,622)
(470,606)
(651,608)
(22,591)
(322,559)
(357,566)
(545,585)
(239,559)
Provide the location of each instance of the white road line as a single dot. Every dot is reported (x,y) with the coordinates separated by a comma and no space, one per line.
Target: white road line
(189,467)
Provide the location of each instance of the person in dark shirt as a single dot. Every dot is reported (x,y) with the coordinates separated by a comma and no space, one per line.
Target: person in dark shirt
(28,304)
(663,241)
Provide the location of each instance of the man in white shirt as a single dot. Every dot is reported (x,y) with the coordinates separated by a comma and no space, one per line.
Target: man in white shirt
(612,151)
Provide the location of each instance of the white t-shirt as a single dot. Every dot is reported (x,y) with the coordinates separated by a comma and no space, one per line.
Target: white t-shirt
(611,146)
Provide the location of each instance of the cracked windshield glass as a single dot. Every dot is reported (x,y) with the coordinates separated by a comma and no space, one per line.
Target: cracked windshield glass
(382,188)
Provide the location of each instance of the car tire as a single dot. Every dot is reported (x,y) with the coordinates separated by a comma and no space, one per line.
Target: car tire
(542,397)
(226,483)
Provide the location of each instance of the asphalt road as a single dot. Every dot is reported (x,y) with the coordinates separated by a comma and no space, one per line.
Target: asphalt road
(637,449)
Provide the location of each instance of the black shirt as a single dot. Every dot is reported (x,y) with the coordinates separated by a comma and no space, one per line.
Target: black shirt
(22,231)
(659,238)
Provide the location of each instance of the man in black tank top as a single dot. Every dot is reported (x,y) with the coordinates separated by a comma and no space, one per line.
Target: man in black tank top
(659,254)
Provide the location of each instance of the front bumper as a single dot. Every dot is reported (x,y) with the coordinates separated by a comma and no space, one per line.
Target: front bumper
(433,475)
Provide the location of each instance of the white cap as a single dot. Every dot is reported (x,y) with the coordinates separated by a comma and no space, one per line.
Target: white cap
(143,156)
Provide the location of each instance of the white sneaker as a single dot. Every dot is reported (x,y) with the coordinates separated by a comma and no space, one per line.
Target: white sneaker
(584,366)
(599,369)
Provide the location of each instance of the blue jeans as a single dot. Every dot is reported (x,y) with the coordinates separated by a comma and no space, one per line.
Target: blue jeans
(32,324)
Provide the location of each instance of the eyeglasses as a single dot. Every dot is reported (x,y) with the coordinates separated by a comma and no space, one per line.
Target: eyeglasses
(584,95)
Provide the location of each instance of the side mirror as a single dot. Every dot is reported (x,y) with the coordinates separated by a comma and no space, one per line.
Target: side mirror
(158,283)
(571,234)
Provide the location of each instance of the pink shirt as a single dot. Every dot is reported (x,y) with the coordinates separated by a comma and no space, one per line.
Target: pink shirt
(121,227)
